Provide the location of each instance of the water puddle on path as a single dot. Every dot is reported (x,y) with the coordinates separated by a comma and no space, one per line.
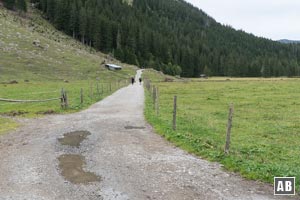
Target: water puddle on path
(71,167)
(74,139)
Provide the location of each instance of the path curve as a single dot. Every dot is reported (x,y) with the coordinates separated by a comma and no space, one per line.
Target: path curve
(133,164)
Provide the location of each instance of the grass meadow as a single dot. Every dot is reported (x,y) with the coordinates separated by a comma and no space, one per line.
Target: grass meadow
(48,90)
(265,134)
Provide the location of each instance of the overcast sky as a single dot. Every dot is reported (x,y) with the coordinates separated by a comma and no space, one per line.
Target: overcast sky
(274,19)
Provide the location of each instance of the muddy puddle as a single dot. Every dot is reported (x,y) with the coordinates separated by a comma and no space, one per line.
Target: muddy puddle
(74,139)
(71,167)
(135,127)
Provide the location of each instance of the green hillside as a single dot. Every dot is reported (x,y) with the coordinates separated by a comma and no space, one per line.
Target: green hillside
(32,49)
(41,60)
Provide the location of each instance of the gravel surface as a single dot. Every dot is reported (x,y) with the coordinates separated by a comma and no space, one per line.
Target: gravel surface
(131,160)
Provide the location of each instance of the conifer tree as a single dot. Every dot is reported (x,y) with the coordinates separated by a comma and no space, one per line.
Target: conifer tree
(21,5)
(73,21)
(51,9)
(9,4)
(82,24)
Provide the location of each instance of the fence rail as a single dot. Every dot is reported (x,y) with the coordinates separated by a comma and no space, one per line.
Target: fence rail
(28,101)
(93,91)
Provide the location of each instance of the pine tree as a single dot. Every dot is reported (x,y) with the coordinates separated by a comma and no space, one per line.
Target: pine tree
(97,34)
(43,5)
(73,21)
(51,9)
(21,5)
(62,14)
(82,24)
(9,4)
(206,71)
(119,38)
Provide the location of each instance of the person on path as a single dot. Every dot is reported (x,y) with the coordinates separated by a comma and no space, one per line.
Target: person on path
(140,79)
(132,80)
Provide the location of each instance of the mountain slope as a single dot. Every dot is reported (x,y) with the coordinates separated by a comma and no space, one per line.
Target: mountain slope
(40,61)
(172,36)
(32,49)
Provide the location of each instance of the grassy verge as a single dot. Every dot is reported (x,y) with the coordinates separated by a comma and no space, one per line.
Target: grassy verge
(265,134)
(7,125)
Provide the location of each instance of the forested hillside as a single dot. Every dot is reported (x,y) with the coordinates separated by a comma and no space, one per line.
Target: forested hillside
(172,36)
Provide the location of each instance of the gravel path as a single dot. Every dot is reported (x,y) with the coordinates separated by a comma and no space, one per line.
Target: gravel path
(131,160)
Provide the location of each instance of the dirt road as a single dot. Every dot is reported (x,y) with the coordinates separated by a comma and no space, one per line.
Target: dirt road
(115,156)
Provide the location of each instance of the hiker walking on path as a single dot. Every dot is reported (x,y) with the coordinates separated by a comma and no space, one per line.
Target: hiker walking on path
(140,79)
(132,80)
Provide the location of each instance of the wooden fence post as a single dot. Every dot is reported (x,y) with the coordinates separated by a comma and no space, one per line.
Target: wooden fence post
(62,100)
(91,90)
(81,96)
(66,100)
(156,101)
(98,88)
(149,85)
(154,96)
(229,125)
(174,113)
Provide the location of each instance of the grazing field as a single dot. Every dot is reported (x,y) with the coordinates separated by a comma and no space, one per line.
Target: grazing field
(265,134)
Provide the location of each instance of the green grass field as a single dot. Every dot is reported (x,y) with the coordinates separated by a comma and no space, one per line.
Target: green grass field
(41,69)
(266,129)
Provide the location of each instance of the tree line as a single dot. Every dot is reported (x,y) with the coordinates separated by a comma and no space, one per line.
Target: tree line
(19,5)
(171,36)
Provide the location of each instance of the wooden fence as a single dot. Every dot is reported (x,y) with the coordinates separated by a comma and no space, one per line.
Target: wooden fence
(95,91)
(28,101)
(153,91)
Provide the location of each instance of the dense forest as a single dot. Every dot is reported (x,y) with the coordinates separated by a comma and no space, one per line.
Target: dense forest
(171,36)
(19,5)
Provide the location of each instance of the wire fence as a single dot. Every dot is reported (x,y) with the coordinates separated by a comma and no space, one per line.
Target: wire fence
(69,96)
(154,92)
(28,101)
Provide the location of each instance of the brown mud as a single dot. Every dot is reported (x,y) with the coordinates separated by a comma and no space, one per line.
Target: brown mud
(74,139)
(71,166)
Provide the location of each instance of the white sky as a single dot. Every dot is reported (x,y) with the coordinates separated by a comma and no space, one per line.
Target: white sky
(273,19)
